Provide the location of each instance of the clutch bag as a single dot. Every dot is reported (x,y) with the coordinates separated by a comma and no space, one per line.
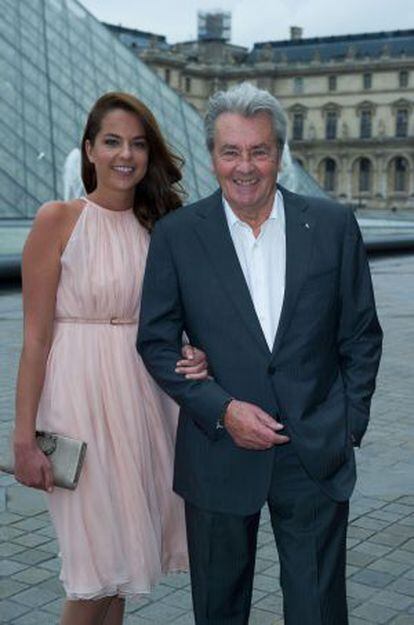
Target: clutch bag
(65,454)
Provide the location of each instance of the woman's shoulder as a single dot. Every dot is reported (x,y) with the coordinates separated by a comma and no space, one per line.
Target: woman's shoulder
(56,219)
(57,212)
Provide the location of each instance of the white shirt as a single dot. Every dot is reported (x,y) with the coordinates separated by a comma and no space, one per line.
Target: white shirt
(263,262)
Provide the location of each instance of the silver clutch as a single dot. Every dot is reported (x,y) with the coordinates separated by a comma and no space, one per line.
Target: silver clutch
(65,454)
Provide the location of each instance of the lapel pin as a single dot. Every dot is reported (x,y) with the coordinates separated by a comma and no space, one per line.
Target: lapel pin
(307,226)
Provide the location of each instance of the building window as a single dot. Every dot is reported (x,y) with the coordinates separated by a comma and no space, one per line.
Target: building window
(331,124)
(400,174)
(187,84)
(401,126)
(364,175)
(403,78)
(298,126)
(332,83)
(329,177)
(298,84)
(167,75)
(367,80)
(366,124)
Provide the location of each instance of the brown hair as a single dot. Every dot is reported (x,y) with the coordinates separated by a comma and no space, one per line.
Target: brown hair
(160,191)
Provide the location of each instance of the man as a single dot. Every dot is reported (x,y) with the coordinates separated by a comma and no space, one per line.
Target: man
(276,289)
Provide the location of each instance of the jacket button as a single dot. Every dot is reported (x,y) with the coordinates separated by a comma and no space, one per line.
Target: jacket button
(271,370)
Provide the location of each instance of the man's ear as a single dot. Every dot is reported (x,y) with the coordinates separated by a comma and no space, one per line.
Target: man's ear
(89,150)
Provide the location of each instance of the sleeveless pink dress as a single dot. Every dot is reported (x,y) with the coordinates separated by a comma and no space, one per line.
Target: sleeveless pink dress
(123,527)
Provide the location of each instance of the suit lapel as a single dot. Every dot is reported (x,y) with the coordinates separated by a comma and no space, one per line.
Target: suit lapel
(212,229)
(299,237)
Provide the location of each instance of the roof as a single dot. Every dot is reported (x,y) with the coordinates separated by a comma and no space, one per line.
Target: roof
(135,34)
(373,45)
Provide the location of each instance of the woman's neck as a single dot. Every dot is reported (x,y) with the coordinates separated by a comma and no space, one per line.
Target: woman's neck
(112,200)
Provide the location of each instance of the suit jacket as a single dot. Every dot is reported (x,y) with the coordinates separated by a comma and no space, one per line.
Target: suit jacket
(318,379)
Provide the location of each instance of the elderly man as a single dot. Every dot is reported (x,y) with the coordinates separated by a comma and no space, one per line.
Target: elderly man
(276,289)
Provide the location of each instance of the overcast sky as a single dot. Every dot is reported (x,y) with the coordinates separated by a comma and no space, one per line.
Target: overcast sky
(258,20)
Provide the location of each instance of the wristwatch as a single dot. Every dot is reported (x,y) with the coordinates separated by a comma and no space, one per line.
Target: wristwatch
(220,421)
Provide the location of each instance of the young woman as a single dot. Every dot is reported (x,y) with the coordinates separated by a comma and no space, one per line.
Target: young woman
(80,374)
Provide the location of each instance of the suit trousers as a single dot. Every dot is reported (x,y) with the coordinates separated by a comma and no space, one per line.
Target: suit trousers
(310,533)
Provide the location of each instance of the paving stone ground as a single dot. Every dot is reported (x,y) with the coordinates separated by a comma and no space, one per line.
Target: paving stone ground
(381,533)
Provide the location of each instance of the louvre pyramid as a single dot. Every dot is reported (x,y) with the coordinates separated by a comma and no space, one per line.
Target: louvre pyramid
(56,59)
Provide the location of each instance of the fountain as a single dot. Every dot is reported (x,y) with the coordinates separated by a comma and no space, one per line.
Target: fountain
(72,181)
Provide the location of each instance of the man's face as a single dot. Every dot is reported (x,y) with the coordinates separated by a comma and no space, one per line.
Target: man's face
(246,161)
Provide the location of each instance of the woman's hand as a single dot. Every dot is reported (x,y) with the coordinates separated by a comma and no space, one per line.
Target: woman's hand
(194,365)
(32,467)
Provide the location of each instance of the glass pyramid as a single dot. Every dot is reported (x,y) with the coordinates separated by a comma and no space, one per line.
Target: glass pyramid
(56,59)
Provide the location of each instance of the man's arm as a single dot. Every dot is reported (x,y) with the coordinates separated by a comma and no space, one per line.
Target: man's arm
(160,336)
(359,333)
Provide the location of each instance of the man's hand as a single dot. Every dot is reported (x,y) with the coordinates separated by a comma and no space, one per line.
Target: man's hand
(194,365)
(252,428)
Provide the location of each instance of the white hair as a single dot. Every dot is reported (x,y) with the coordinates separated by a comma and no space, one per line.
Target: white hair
(247,100)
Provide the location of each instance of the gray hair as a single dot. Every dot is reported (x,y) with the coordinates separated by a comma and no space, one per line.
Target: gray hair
(247,100)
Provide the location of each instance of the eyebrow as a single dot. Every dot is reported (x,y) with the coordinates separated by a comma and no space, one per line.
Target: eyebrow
(230,146)
(113,134)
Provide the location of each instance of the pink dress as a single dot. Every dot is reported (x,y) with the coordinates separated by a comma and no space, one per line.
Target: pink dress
(123,527)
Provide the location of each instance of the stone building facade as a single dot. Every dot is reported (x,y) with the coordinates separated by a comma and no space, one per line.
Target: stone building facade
(349,100)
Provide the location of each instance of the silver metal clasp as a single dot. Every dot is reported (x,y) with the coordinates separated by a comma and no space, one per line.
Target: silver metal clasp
(46,442)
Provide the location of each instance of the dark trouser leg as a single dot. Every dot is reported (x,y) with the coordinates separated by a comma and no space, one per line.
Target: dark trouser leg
(222,551)
(310,531)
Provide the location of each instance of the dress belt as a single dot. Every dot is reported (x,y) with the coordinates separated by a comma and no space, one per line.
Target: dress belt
(112,321)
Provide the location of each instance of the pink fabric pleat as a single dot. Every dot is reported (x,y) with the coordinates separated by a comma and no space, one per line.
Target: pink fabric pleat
(123,527)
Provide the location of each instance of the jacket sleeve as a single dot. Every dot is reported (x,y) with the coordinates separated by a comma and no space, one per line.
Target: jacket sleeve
(159,339)
(360,334)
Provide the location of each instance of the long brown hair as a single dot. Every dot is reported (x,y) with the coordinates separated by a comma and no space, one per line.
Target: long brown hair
(160,191)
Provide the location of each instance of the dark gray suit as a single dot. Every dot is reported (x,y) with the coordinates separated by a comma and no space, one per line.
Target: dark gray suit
(318,380)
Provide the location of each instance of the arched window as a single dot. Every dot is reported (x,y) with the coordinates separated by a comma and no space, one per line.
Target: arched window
(367,80)
(332,83)
(401,123)
(329,175)
(366,124)
(298,85)
(403,78)
(364,175)
(331,124)
(298,126)
(400,174)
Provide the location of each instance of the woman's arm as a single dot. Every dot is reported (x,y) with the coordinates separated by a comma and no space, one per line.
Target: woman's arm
(40,278)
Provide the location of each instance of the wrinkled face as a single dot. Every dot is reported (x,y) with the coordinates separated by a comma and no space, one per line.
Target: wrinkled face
(246,161)
(119,152)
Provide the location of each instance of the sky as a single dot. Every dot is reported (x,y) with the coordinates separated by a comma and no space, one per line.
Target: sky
(257,20)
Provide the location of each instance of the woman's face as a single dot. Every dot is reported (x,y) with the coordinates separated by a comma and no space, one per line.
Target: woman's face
(119,152)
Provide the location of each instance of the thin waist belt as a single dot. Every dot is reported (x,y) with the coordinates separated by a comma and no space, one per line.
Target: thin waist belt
(112,321)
